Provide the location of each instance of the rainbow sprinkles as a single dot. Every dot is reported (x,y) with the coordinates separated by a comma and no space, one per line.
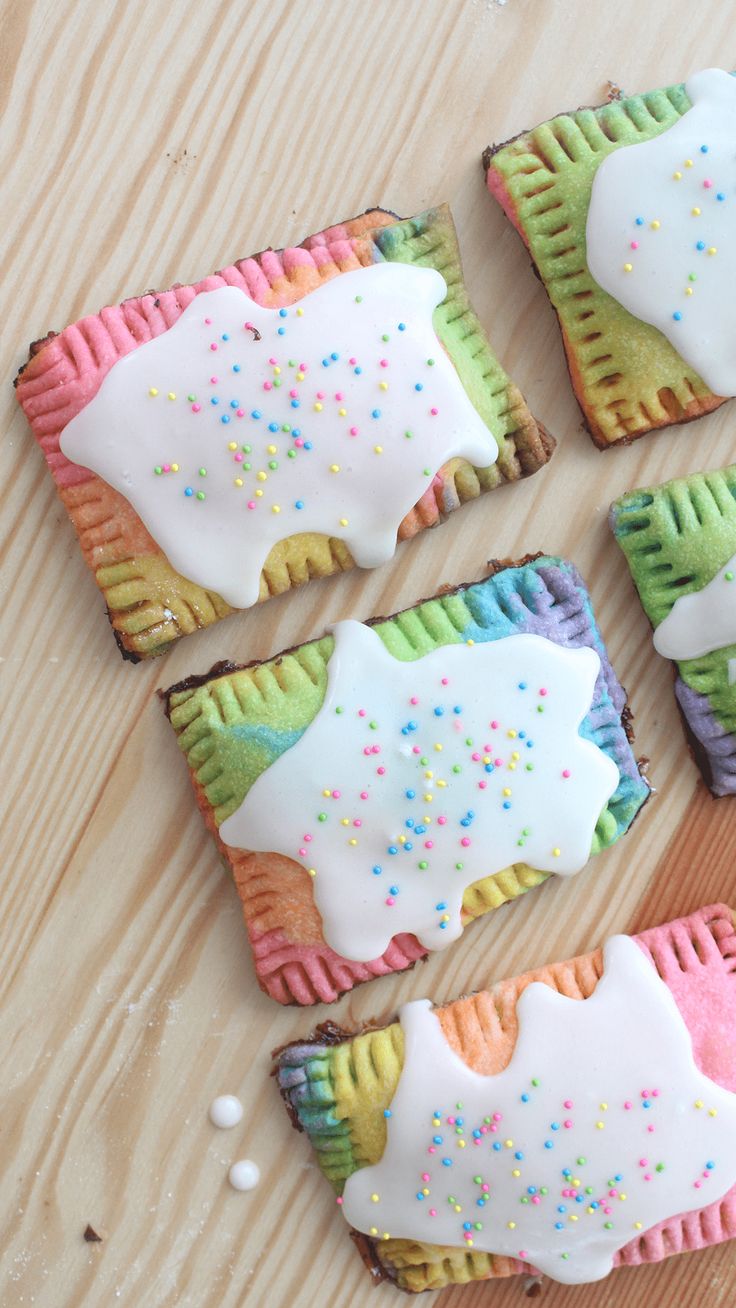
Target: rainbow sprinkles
(241,426)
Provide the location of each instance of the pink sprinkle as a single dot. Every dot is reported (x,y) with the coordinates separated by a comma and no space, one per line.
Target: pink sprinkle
(339,1199)
(268,386)
(196,408)
(536,1199)
(566,773)
(543,691)
(497,1117)
(364,794)
(247,326)
(465,842)
(493,1127)
(238,458)
(494,725)
(698,1184)
(302,853)
(445,681)
(213,380)
(431,1150)
(303,367)
(498,762)
(523,1253)
(475,756)
(429,844)
(434,412)
(336,794)
(367,749)
(635,245)
(650,1128)
(642,1162)
(433,1212)
(273,361)
(414,699)
(352,360)
(425,1176)
(293,394)
(338,396)
(390,901)
(567,1125)
(384,363)
(645,1094)
(613,1193)
(568,1103)
(213,346)
(208,322)
(655,1093)
(307,838)
(707,183)
(416,749)
(299,442)
(380,771)
(251,504)
(628,1104)
(482,785)
(375,749)
(361,713)
(358,821)
(451,1121)
(353,431)
(441,821)
(485,1187)
(167,467)
(320,395)
(240,413)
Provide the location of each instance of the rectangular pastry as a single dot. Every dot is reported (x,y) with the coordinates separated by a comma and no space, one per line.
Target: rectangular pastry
(522,1130)
(626,212)
(282,419)
(680,544)
(375,790)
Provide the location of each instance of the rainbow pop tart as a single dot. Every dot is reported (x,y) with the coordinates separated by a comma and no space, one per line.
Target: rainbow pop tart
(574,1119)
(627,212)
(285,418)
(680,544)
(374,791)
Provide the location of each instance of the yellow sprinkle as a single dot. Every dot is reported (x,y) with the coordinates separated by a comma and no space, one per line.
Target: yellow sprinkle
(232,445)
(516,754)
(623,1198)
(511,1226)
(461,1144)
(688,290)
(429,775)
(486,758)
(628,267)
(516,1172)
(345,822)
(153,390)
(172,395)
(677,177)
(312,871)
(270,449)
(512,767)
(573,1217)
(712,1112)
(352,841)
(426,820)
(262,476)
(506,790)
(445,917)
(470,642)
(300,375)
(599,1126)
(378,449)
(425,1192)
(374,1230)
(327,793)
(428,799)
(259,494)
(655,225)
(342,412)
(695,211)
(698,1103)
(589,1211)
(511,734)
(441,784)
(712,250)
(402,840)
(556,852)
(238,481)
(175,467)
(383,386)
(374,1198)
(458,1209)
(300,313)
(385,1236)
(275,508)
(469,1243)
(603,1107)
(509,1144)
(343,522)
(576,1181)
(688,163)
(277,372)
(438,747)
(334,467)
(637,1226)
(318,407)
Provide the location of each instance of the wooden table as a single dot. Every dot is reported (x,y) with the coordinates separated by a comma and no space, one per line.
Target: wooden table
(146,142)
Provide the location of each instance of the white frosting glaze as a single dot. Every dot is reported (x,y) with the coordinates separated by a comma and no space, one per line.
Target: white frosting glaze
(600,1127)
(702,621)
(226,1111)
(334,420)
(416,779)
(660,230)
(244,1175)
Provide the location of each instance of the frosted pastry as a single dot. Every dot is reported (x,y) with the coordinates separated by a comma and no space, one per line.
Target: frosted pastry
(285,418)
(627,214)
(680,543)
(498,1135)
(374,791)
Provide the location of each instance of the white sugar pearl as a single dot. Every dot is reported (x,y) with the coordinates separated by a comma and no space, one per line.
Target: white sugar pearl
(244,1175)
(225,1111)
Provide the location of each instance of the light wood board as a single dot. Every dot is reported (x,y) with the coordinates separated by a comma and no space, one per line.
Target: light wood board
(145,142)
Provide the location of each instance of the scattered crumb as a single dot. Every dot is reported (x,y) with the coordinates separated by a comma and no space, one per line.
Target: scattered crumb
(91,1235)
(533,1287)
(613,91)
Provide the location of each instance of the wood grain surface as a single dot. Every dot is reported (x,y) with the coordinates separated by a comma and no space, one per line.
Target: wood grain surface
(147,141)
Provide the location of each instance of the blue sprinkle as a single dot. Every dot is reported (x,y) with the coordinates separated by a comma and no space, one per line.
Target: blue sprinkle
(720,195)
(357,371)
(559,1226)
(471,813)
(530,744)
(408,847)
(518,1155)
(595,1204)
(447,1162)
(562,1208)
(677,315)
(549,1144)
(402,326)
(700,245)
(256,413)
(531,1189)
(710,1166)
(214,400)
(393,890)
(299,504)
(703,149)
(522,685)
(335,357)
(375,413)
(410,794)
(438,712)
(236,367)
(489,767)
(476,1134)
(507,803)
(409,822)
(646,1103)
(481,1203)
(282,313)
(442,926)
(618,1177)
(392,849)
(496,1145)
(224,417)
(525,1098)
(296,431)
(295,404)
(639,222)
(420,830)
(225,336)
(457,708)
(412,724)
(579,1198)
(465,822)
(522,735)
(188,491)
(281,331)
(441,908)
(377,870)
(307,445)
(273,426)
(418,386)
(419,1194)
(387,1112)
(555,1126)
(325,363)
(235,404)
(467,1226)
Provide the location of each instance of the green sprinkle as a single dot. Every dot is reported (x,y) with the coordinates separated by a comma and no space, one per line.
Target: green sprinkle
(201,495)
(540,708)
(729,575)
(246,467)
(456,768)
(359,299)
(247,449)
(321,817)
(459,867)
(291,454)
(477,1180)
(286,427)
(191,398)
(535,1080)
(339,709)
(203,472)
(580,1162)
(373,726)
(427,472)
(430,363)
(408,435)
(608,1226)
(273,464)
(385,337)
(424,865)
(158,470)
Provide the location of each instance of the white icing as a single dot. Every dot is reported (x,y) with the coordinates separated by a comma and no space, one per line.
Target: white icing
(387,763)
(226,1111)
(703,621)
(622,1058)
(244,1175)
(337,403)
(663,181)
